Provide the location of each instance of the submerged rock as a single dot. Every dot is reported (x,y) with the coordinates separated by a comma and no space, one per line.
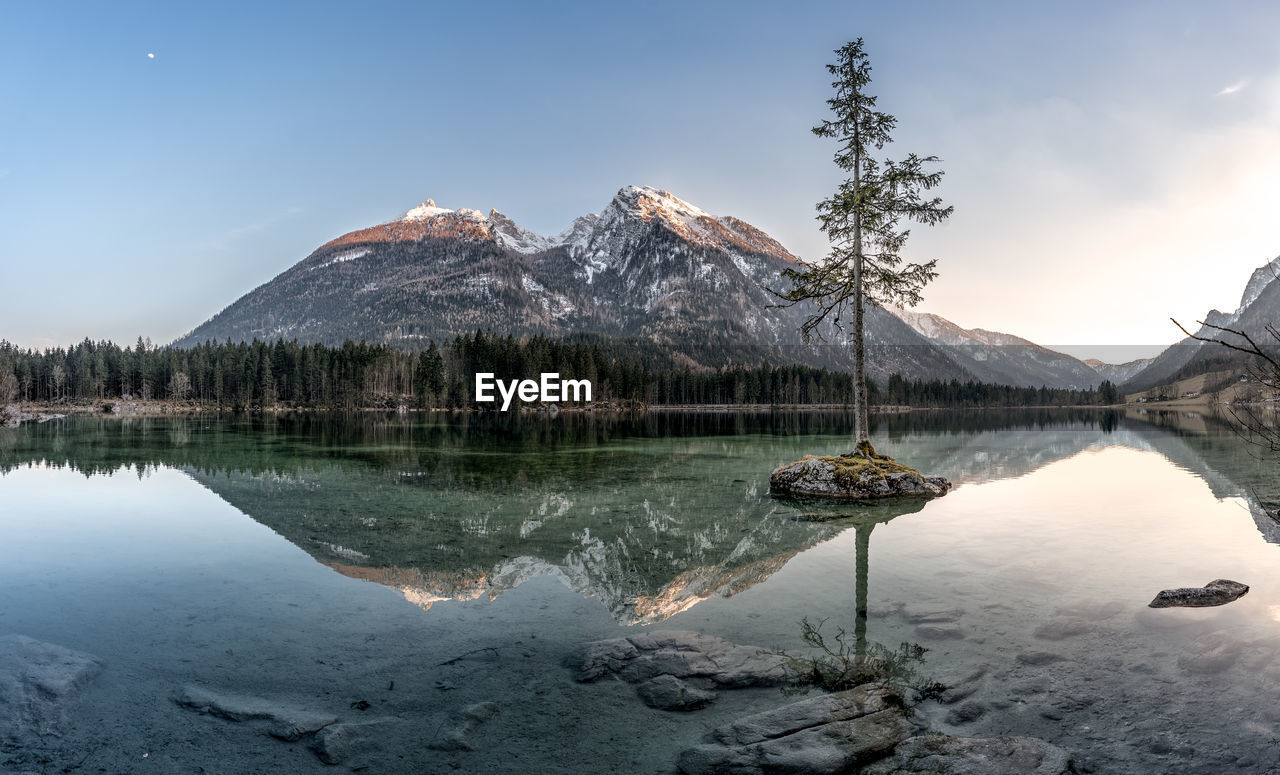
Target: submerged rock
(1213,652)
(930,615)
(1217,592)
(1038,658)
(39,682)
(465,722)
(279,721)
(338,743)
(666,692)
(942,755)
(829,734)
(966,712)
(965,687)
(939,632)
(854,477)
(681,654)
(1063,627)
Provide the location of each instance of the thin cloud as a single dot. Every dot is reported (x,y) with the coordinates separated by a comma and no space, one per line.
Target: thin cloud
(223,242)
(1232,89)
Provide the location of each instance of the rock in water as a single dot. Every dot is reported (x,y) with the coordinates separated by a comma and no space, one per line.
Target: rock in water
(277,720)
(1212,652)
(666,692)
(338,743)
(681,654)
(941,755)
(854,477)
(1217,592)
(819,736)
(38,683)
(465,722)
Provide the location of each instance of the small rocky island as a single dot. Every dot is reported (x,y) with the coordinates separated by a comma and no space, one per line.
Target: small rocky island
(861,475)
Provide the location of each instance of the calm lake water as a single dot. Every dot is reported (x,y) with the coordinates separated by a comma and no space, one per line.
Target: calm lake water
(422,565)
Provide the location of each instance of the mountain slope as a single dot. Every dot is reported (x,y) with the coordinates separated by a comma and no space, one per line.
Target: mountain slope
(1003,358)
(1259,307)
(650,268)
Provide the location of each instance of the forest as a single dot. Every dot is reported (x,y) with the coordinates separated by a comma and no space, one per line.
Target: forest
(257,375)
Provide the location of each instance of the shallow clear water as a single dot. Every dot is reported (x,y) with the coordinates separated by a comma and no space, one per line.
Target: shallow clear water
(422,565)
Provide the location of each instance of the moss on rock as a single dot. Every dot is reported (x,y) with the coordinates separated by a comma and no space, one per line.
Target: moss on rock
(860,475)
(853,469)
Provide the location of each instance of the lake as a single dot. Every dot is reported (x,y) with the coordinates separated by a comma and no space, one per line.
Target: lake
(406,568)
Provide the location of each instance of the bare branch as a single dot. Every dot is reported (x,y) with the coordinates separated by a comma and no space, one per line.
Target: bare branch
(1252,349)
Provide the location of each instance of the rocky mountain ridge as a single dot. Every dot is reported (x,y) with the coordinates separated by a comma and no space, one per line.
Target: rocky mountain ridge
(650,270)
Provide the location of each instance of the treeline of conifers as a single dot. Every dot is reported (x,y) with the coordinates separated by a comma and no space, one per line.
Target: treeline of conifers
(354,376)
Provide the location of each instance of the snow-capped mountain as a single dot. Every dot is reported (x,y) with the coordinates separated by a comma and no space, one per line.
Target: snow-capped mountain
(651,268)
(1118,373)
(1003,358)
(1259,307)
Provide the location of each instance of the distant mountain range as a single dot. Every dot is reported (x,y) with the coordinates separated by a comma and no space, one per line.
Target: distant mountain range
(1005,359)
(651,272)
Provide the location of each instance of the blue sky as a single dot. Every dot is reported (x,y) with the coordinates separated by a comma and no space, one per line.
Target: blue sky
(1111,164)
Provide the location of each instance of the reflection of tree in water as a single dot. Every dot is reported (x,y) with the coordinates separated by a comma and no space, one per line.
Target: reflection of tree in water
(273,443)
(862,519)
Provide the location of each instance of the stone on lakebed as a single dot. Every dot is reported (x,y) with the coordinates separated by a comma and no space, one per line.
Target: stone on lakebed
(868,730)
(855,476)
(280,721)
(39,684)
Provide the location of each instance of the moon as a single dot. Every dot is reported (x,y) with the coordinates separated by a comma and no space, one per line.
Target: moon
(151,56)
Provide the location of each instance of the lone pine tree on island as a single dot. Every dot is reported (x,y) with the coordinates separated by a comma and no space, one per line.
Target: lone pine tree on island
(866,221)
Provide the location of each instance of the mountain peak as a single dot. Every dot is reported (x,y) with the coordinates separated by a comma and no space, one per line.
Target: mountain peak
(649,203)
(427,209)
(1258,282)
(513,236)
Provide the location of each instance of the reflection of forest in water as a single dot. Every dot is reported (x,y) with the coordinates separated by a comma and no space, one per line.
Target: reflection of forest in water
(649,513)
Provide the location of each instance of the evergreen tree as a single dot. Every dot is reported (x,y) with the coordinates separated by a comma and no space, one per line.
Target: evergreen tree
(865,221)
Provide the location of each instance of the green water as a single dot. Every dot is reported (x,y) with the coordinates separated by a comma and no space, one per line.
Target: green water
(323,559)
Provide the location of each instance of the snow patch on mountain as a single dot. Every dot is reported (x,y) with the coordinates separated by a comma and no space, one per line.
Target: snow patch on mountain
(578,233)
(934,327)
(427,209)
(1118,372)
(596,242)
(345,256)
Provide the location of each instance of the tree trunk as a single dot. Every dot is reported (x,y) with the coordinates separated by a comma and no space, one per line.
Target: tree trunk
(860,431)
(860,423)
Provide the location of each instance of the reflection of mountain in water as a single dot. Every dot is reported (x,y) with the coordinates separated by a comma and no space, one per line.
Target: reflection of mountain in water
(646,549)
(650,516)
(1231,467)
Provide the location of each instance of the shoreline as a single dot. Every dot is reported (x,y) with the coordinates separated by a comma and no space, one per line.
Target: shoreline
(141,408)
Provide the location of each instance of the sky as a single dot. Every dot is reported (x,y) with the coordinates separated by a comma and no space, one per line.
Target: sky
(1111,165)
